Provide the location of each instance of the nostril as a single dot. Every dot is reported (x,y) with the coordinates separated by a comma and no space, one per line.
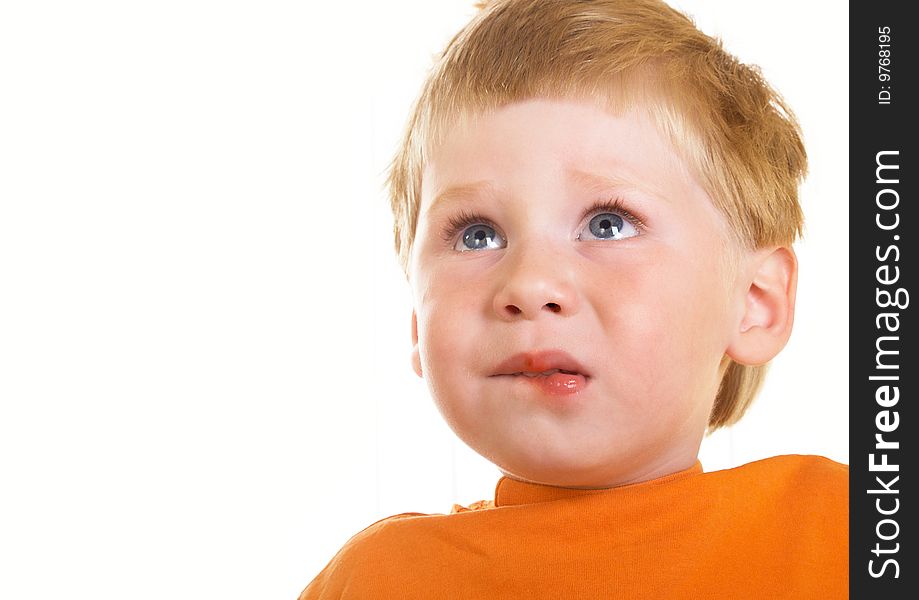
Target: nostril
(513,309)
(554,307)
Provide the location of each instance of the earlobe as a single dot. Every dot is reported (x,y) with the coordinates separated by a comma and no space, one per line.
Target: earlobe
(769,307)
(416,356)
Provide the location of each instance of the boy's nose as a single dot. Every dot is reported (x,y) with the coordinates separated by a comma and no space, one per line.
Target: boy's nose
(533,287)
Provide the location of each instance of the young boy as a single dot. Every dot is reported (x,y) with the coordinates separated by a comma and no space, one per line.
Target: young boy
(595,206)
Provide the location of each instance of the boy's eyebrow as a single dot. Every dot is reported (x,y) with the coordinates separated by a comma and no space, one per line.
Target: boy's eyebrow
(583,179)
(597,182)
(457,192)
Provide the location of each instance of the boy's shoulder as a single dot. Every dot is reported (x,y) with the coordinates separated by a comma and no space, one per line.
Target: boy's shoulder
(788,475)
(369,551)
(807,492)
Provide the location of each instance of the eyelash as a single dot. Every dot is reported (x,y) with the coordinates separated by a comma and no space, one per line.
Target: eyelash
(465,219)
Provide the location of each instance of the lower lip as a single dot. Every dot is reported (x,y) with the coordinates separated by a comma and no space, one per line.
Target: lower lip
(556,384)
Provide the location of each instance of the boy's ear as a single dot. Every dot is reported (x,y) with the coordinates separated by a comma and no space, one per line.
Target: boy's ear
(769,306)
(416,357)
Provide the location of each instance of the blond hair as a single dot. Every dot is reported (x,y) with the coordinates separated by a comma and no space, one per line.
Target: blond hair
(734,131)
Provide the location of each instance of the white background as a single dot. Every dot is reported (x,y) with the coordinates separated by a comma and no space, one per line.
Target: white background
(205,385)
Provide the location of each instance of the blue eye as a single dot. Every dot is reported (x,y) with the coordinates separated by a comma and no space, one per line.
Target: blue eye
(477,233)
(478,237)
(612,222)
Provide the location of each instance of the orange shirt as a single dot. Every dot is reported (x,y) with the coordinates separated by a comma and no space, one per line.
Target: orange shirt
(775,528)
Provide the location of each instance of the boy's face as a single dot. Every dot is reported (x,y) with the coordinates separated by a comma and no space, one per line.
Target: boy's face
(638,297)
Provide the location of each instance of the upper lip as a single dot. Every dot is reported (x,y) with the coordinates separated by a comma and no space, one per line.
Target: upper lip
(539,361)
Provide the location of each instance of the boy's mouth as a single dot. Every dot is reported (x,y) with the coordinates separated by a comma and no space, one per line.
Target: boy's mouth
(542,363)
(545,373)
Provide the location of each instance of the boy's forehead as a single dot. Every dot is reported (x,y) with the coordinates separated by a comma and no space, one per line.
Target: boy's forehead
(593,149)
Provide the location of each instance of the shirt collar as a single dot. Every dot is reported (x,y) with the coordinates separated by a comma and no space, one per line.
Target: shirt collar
(511,492)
